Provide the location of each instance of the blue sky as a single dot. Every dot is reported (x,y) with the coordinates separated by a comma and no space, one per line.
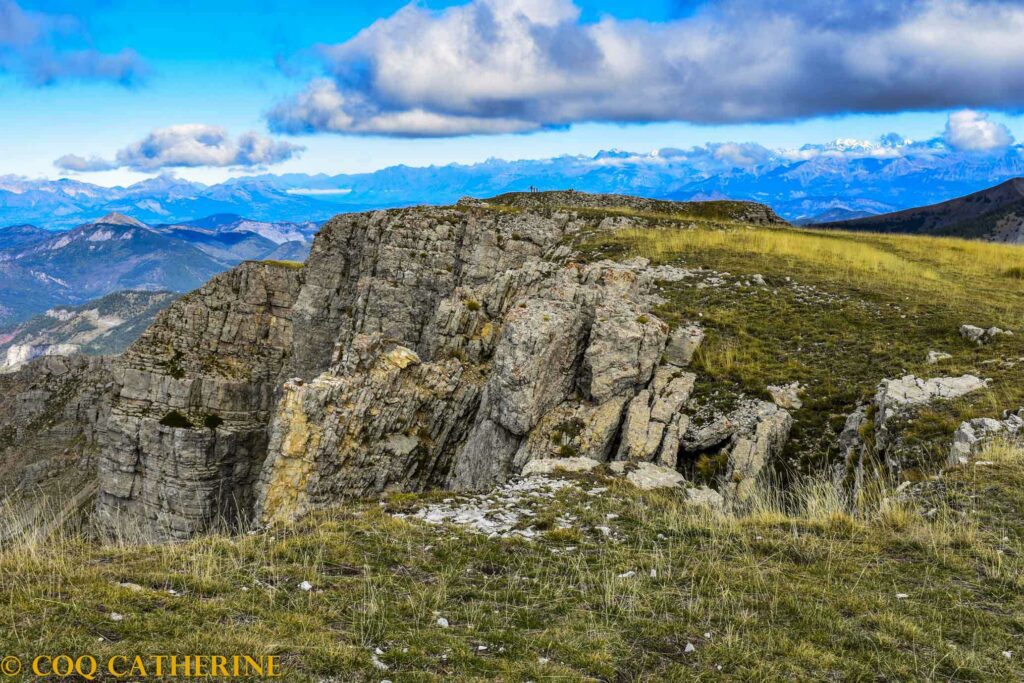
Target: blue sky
(116,71)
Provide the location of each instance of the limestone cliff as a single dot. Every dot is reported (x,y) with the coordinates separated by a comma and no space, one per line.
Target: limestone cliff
(187,429)
(416,348)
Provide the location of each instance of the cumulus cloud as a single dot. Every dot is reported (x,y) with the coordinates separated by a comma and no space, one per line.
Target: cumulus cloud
(500,66)
(188,145)
(46,48)
(973,131)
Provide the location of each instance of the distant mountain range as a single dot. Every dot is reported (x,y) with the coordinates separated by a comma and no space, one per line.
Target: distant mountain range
(815,182)
(995,214)
(61,204)
(104,326)
(40,269)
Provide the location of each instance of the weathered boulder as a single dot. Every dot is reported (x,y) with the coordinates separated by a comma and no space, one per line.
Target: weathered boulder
(683,344)
(753,449)
(748,438)
(647,476)
(551,465)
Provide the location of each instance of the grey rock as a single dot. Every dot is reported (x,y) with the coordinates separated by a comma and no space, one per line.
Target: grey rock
(750,437)
(683,344)
(654,425)
(705,496)
(752,450)
(551,465)
(787,395)
(971,436)
(981,336)
(894,400)
(647,476)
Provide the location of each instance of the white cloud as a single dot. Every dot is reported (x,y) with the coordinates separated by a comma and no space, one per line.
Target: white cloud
(79,164)
(499,66)
(973,131)
(46,48)
(189,145)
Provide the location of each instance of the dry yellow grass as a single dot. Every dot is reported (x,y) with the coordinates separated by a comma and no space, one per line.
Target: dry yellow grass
(798,585)
(925,265)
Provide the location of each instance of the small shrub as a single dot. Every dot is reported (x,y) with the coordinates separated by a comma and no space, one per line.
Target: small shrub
(1015,273)
(642,319)
(176,420)
(473,305)
(567,451)
(174,368)
(212,421)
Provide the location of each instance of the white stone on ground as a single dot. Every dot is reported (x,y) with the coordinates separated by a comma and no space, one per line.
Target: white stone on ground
(549,465)
(647,476)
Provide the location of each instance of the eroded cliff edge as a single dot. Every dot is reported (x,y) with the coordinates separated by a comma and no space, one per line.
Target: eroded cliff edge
(416,348)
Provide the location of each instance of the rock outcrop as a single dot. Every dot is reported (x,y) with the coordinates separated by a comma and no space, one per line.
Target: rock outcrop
(871,433)
(416,348)
(972,435)
(982,336)
(746,439)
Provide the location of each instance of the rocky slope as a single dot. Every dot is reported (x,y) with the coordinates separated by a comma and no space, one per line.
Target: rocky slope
(51,412)
(102,327)
(995,214)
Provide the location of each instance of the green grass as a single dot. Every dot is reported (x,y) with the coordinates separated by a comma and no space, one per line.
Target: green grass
(796,588)
(292,265)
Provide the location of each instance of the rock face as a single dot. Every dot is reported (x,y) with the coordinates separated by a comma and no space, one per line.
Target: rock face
(187,429)
(748,438)
(416,348)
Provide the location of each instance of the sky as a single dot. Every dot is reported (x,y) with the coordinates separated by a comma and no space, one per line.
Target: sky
(115,91)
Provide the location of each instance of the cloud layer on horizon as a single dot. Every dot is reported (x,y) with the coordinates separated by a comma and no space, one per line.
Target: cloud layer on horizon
(44,49)
(188,146)
(973,131)
(506,66)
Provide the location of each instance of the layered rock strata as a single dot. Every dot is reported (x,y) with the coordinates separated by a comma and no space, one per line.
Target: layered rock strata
(416,348)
